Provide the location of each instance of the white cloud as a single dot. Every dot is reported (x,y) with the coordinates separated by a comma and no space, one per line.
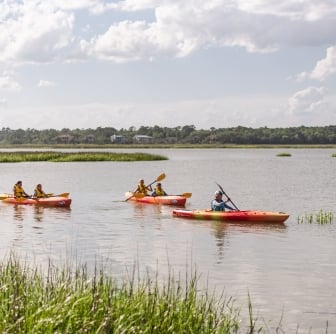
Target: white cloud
(8,83)
(46,83)
(325,67)
(41,32)
(181,29)
(33,32)
(307,101)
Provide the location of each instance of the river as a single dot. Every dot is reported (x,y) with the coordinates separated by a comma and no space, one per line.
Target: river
(289,271)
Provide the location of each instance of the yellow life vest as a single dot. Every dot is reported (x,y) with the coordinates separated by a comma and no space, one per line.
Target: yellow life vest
(159,191)
(38,193)
(18,191)
(142,189)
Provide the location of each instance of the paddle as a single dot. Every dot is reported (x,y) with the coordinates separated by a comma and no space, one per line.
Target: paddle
(186,195)
(229,199)
(59,195)
(159,178)
(3,196)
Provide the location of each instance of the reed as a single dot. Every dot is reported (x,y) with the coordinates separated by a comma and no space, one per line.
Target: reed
(65,301)
(51,156)
(321,217)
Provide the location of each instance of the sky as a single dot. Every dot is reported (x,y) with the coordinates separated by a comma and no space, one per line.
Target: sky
(215,63)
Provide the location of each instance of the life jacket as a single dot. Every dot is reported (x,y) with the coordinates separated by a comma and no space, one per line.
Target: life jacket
(39,193)
(18,191)
(159,191)
(142,189)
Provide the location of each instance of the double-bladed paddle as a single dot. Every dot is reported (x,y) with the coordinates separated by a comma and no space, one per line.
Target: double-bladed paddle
(229,199)
(158,179)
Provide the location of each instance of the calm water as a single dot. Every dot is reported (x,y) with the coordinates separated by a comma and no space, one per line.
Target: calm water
(289,271)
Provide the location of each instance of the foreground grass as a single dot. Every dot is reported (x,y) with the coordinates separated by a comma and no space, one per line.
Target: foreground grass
(73,302)
(76,156)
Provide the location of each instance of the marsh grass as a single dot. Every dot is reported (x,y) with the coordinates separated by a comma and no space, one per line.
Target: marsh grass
(65,301)
(51,156)
(284,154)
(321,217)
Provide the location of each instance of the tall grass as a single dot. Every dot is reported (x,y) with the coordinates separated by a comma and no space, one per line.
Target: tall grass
(62,301)
(321,217)
(77,156)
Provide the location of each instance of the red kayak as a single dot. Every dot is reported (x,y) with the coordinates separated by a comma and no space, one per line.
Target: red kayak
(53,201)
(233,216)
(165,200)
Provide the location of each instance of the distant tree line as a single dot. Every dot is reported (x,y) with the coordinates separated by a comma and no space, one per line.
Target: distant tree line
(187,134)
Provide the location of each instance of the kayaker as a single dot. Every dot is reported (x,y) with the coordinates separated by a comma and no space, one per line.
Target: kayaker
(158,191)
(18,191)
(142,188)
(217,204)
(38,192)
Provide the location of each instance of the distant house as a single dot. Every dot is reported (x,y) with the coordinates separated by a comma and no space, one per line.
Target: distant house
(89,139)
(142,139)
(63,139)
(117,139)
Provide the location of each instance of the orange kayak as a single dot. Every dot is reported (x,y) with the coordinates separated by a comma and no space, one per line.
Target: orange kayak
(164,200)
(233,216)
(54,201)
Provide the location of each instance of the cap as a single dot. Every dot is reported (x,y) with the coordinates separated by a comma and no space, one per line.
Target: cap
(218,192)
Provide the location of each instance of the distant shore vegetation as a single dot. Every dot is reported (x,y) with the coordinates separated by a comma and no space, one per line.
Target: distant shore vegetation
(180,136)
(20,156)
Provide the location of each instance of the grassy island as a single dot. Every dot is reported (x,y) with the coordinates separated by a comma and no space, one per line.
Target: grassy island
(24,156)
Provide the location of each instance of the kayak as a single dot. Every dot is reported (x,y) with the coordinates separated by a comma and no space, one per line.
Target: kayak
(233,216)
(177,200)
(53,201)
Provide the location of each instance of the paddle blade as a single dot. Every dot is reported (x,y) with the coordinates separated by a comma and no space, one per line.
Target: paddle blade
(139,195)
(4,196)
(160,177)
(136,195)
(186,195)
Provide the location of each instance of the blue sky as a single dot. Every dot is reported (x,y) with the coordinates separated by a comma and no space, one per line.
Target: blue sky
(221,63)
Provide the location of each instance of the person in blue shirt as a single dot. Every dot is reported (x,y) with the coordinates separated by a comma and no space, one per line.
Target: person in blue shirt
(217,204)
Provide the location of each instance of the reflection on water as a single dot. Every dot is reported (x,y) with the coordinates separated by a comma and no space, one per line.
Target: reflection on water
(19,211)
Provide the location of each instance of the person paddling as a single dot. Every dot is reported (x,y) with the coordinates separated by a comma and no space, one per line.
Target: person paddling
(39,192)
(18,191)
(158,191)
(142,188)
(217,204)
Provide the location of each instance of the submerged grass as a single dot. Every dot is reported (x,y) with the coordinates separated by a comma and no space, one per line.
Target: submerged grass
(74,302)
(20,156)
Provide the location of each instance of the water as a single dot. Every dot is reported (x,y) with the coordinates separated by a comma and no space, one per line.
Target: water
(288,271)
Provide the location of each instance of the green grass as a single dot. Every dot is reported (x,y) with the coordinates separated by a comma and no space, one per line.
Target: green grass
(62,301)
(321,217)
(76,156)
(284,154)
